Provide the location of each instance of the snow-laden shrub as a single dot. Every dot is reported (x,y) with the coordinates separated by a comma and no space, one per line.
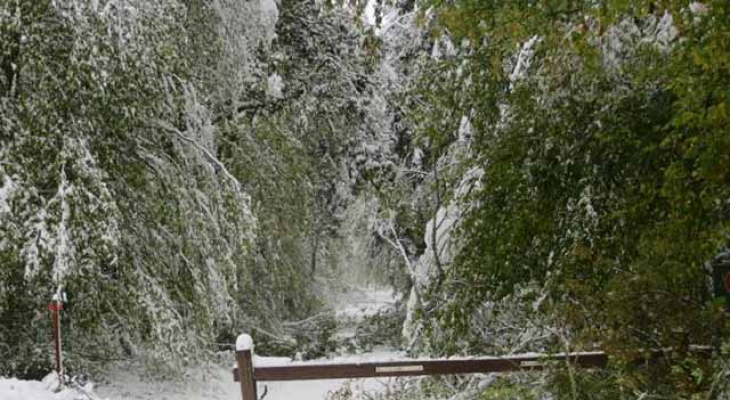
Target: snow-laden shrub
(111,189)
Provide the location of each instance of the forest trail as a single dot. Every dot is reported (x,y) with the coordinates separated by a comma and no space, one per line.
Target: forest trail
(350,308)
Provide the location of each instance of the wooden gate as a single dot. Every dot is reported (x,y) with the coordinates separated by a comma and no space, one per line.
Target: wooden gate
(247,374)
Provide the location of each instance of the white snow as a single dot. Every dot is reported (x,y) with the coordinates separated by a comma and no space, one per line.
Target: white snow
(362,302)
(5,191)
(271,14)
(369,16)
(698,8)
(261,362)
(217,384)
(275,86)
(664,33)
(195,384)
(435,51)
(439,245)
(465,129)
(63,241)
(43,240)
(318,389)
(621,40)
(15,389)
(244,342)
(524,60)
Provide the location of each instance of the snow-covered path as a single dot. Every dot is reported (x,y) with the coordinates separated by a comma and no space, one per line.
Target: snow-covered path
(220,386)
(353,305)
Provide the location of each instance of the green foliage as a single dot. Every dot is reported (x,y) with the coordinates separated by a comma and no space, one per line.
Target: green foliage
(606,174)
(291,149)
(111,187)
(125,134)
(503,390)
(401,389)
(589,385)
(381,329)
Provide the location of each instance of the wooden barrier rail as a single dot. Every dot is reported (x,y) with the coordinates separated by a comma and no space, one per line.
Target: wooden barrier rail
(248,375)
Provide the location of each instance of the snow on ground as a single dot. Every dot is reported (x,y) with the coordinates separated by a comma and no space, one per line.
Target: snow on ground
(219,385)
(361,302)
(356,304)
(351,306)
(216,383)
(318,389)
(14,389)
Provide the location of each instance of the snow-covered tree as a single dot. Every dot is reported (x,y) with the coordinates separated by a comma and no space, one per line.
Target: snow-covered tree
(112,187)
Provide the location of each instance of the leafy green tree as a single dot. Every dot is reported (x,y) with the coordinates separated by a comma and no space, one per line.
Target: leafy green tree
(601,131)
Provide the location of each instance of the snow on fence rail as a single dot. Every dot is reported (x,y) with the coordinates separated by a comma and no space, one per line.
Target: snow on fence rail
(248,374)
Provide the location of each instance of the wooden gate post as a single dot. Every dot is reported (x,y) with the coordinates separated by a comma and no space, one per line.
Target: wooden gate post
(244,358)
(55,307)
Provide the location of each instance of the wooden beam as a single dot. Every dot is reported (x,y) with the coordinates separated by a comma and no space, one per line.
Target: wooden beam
(245,366)
(421,368)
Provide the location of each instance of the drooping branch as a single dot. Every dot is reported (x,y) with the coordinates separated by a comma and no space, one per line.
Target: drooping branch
(219,165)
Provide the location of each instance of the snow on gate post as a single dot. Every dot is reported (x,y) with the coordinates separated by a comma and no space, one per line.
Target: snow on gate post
(244,358)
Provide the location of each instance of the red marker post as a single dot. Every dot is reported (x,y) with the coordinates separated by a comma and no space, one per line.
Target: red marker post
(55,307)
